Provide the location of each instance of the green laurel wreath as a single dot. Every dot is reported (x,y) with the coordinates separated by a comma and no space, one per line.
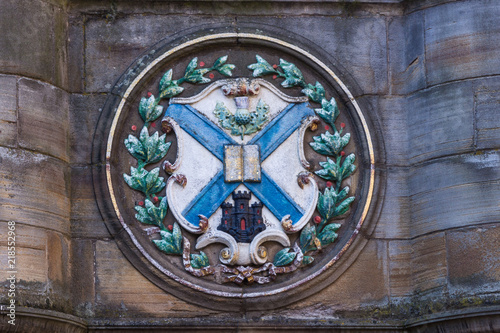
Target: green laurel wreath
(332,203)
(148,149)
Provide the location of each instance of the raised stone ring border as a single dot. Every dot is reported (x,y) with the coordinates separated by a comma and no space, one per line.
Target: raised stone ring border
(223,36)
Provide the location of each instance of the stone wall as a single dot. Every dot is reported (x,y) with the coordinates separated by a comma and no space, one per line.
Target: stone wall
(428,70)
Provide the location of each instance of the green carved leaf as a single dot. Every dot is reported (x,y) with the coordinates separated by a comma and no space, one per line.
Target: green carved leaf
(329,111)
(328,235)
(330,144)
(226,69)
(293,75)
(147,108)
(315,93)
(136,180)
(326,204)
(191,66)
(262,67)
(199,260)
(170,243)
(149,149)
(343,207)
(147,182)
(196,76)
(307,237)
(143,216)
(219,62)
(348,166)
(135,147)
(330,170)
(306,260)
(283,257)
(171,91)
(166,80)
(157,214)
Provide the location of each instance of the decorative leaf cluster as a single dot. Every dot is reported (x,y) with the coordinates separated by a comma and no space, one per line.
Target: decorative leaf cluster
(148,182)
(170,242)
(199,260)
(283,257)
(333,201)
(150,214)
(147,149)
(170,88)
(257,119)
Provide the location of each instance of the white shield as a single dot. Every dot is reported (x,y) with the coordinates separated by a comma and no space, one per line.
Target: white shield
(208,168)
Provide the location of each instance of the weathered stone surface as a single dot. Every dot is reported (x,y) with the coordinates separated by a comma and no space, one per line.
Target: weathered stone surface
(406,54)
(354,289)
(359,44)
(440,121)
(487,118)
(43,118)
(8,110)
(400,268)
(112,45)
(455,191)
(30,31)
(394,130)
(76,47)
(462,40)
(83,275)
(85,111)
(58,258)
(121,289)
(34,190)
(86,221)
(474,259)
(428,266)
(394,221)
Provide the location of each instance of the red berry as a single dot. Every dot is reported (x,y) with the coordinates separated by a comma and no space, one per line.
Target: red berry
(141,203)
(275,66)
(211,75)
(149,94)
(153,124)
(202,64)
(342,153)
(329,184)
(327,127)
(274,77)
(134,127)
(155,199)
(342,125)
(170,227)
(317,219)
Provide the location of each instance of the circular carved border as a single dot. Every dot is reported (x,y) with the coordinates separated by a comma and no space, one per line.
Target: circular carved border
(142,260)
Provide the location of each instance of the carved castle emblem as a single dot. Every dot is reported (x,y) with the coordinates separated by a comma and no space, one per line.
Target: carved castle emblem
(240,177)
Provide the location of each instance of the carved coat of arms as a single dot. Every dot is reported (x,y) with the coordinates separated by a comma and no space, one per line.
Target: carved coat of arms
(240,178)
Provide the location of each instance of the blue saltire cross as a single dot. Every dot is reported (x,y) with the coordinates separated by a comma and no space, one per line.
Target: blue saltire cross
(214,139)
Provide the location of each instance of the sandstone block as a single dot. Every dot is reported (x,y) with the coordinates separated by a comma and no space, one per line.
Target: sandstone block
(428,266)
(462,48)
(86,220)
(8,110)
(34,190)
(453,192)
(121,288)
(407,53)
(474,259)
(43,118)
(400,268)
(440,121)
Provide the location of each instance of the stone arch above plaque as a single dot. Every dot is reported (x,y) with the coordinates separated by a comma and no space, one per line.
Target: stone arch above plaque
(236,170)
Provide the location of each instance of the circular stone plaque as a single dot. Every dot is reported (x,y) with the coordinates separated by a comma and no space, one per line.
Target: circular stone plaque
(236,169)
